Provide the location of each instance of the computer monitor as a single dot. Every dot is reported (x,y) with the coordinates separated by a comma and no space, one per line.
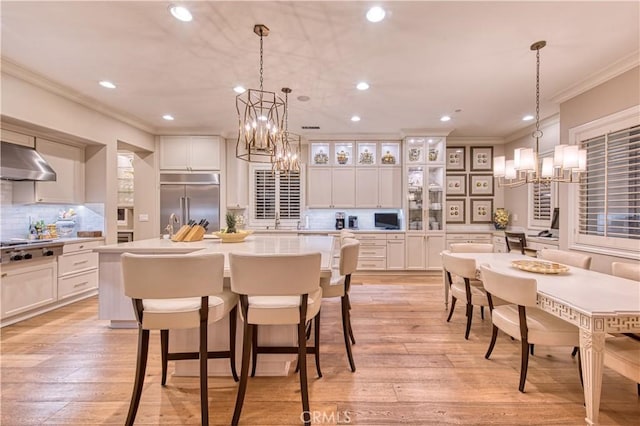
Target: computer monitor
(555,221)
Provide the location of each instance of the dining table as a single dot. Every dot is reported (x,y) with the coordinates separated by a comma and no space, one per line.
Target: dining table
(595,302)
(115,307)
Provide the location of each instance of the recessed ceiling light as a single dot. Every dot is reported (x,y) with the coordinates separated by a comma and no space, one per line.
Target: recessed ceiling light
(527,117)
(363,85)
(375,14)
(107,84)
(445,118)
(239,89)
(355,118)
(181,13)
(168,117)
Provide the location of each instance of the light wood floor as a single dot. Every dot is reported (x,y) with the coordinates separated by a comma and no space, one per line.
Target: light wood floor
(67,367)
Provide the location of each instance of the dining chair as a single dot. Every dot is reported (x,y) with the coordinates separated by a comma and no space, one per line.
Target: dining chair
(622,354)
(471,248)
(461,288)
(338,286)
(177,292)
(569,258)
(630,271)
(521,319)
(515,241)
(277,290)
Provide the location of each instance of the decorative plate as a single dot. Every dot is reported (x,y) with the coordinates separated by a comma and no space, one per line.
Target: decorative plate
(236,237)
(540,267)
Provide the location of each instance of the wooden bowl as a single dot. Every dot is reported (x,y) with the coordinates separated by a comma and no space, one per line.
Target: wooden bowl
(236,237)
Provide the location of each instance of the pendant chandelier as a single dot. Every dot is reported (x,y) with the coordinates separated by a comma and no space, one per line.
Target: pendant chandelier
(288,146)
(566,165)
(260,115)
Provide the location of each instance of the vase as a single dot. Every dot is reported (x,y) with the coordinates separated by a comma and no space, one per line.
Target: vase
(500,218)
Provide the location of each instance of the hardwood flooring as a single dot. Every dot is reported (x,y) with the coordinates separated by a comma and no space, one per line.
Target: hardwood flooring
(414,368)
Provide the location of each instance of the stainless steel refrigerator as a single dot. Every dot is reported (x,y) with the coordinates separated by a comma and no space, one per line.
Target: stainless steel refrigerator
(192,196)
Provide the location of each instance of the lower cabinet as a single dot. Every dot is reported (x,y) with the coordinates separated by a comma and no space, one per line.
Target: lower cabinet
(499,244)
(469,238)
(435,246)
(395,252)
(77,269)
(373,252)
(28,287)
(423,252)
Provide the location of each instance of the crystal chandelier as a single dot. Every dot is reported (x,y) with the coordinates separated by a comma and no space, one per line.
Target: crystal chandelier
(287,147)
(260,115)
(567,164)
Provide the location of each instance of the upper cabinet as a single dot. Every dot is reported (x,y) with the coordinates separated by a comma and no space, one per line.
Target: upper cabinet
(17,138)
(68,163)
(425,150)
(190,153)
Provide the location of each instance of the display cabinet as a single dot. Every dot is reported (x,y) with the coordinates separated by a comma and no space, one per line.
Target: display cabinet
(367,154)
(389,153)
(343,154)
(319,153)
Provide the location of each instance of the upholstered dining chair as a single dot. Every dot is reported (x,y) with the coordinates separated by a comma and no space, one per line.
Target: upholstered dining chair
(629,271)
(515,241)
(173,292)
(521,319)
(622,354)
(569,258)
(464,270)
(277,290)
(338,286)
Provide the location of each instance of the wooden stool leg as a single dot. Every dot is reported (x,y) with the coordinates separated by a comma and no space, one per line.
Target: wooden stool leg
(302,363)
(254,350)
(346,320)
(244,371)
(203,355)
(164,348)
(453,305)
(469,318)
(316,342)
(494,335)
(141,366)
(233,321)
(353,340)
(524,364)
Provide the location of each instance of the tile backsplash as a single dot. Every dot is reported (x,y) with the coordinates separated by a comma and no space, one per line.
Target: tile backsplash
(14,218)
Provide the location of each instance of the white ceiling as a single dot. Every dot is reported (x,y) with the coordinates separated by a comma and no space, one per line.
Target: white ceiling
(424,60)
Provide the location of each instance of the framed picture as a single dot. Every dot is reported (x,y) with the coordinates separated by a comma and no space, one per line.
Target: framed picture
(454,212)
(481,210)
(480,185)
(455,158)
(457,184)
(481,158)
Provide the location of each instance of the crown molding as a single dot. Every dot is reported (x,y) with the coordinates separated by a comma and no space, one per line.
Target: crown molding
(470,140)
(613,70)
(38,80)
(352,137)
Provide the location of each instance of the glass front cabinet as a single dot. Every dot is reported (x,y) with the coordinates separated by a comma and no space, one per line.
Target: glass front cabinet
(424,172)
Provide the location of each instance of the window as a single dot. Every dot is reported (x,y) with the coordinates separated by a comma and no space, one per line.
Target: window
(542,202)
(608,198)
(275,193)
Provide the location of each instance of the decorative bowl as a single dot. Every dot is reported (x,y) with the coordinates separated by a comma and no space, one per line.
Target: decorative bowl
(236,237)
(540,267)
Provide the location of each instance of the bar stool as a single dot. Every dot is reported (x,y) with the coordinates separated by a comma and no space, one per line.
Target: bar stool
(173,292)
(277,290)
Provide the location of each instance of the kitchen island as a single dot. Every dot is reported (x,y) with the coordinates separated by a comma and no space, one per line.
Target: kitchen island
(117,308)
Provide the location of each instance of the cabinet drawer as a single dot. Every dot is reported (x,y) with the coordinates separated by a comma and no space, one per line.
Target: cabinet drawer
(372,264)
(71,285)
(395,236)
(86,245)
(373,251)
(371,237)
(73,263)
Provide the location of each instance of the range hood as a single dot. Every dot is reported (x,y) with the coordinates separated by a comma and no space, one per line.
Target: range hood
(18,162)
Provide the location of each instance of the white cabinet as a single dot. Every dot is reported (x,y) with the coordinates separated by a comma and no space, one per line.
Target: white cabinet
(477,238)
(331,187)
(68,163)
(28,287)
(373,252)
(77,269)
(190,153)
(416,251)
(435,245)
(395,252)
(379,187)
(17,138)
(499,244)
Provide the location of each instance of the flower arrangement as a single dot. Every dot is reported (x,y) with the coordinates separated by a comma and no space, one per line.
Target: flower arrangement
(500,218)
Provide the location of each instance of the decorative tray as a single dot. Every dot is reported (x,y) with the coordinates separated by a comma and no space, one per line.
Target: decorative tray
(540,267)
(235,237)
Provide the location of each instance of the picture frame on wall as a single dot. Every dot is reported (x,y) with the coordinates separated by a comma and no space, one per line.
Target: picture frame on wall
(481,210)
(481,158)
(455,158)
(457,184)
(480,185)
(454,212)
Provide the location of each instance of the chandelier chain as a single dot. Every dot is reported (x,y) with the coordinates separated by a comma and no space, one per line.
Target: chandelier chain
(261,62)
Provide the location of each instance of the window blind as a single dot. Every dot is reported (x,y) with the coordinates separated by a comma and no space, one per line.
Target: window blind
(289,195)
(276,192)
(265,194)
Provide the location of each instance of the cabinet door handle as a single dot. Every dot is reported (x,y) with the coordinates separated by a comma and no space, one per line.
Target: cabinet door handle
(80,262)
(82,284)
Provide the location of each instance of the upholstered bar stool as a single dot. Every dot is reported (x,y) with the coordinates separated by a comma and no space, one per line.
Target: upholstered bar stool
(629,271)
(521,319)
(173,292)
(277,290)
(622,354)
(515,241)
(338,286)
(461,288)
(471,248)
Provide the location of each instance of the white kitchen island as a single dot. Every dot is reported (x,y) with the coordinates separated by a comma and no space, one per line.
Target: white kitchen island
(117,308)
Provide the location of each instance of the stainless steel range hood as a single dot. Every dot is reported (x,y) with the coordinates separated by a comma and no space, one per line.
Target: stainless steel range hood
(18,162)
